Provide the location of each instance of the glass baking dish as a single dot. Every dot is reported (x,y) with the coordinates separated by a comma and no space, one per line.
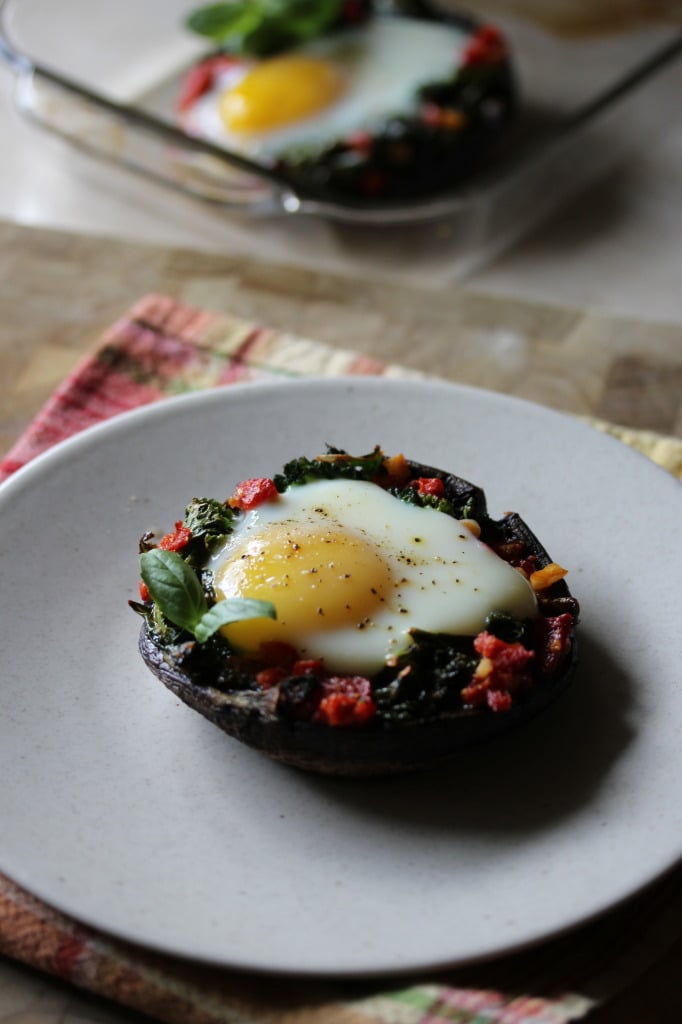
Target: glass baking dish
(105,76)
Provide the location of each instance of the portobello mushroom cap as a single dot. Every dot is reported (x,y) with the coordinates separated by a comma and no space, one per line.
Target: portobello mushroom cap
(382,746)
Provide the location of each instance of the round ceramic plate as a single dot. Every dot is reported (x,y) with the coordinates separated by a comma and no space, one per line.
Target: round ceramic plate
(132,813)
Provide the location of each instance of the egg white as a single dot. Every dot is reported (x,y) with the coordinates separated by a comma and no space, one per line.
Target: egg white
(384,64)
(442,579)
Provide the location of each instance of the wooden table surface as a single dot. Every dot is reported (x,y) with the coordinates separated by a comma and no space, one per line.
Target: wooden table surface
(58,291)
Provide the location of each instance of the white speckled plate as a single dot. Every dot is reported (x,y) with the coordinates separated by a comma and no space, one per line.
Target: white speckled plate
(127,810)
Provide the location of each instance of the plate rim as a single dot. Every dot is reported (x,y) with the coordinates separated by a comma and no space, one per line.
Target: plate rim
(168,404)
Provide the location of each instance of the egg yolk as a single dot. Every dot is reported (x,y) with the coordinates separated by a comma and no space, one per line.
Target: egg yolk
(279,91)
(326,580)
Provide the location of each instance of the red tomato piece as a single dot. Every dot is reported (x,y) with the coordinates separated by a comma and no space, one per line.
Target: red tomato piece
(488,46)
(347,701)
(432,485)
(144,592)
(360,141)
(340,709)
(178,539)
(491,34)
(510,661)
(499,700)
(252,493)
(507,670)
(308,666)
(269,677)
(200,79)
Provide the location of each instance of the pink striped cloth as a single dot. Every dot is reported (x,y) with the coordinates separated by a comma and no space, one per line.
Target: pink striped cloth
(161,348)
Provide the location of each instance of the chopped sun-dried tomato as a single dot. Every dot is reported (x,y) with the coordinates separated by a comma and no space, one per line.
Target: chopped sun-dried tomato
(499,651)
(504,668)
(252,493)
(499,700)
(281,662)
(360,141)
(308,666)
(432,485)
(269,677)
(347,701)
(475,693)
(178,539)
(488,46)
(341,709)
(200,79)
(491,35)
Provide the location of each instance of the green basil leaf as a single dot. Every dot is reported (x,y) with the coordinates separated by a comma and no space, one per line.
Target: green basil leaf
(308,18)
(263,27)
(173,586)
(263,40)
(232,609)
(223,22)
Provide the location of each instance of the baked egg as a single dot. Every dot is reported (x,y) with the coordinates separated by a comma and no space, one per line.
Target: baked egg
(325,89)
(352,570)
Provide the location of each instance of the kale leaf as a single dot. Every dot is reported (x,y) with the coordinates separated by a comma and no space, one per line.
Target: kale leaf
(216,661)
(209,521)
(336,464)
(429,679)
(412,496)
(509,629)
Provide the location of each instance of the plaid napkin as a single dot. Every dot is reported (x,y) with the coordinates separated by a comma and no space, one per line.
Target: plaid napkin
(160,348)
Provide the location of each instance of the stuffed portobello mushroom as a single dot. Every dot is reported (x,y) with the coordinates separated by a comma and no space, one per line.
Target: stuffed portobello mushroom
(356,615)
(349,103)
